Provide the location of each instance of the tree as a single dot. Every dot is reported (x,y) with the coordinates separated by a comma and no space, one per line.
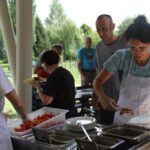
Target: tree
(89,32)
(39,38)
(12,8)
(56,14)
(95,38)
(86,29)
(60,29)
(124,25)
(3,56)
(71,37)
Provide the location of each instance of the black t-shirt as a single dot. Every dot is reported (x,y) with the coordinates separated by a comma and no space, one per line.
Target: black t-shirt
(60,85)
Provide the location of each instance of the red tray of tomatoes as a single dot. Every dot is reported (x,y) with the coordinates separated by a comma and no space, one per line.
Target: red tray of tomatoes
(45,117)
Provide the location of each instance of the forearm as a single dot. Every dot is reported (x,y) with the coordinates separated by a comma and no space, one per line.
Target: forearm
(107,102)
(79,68)
(44,98)
(98,88)
(40,93)
(17,104)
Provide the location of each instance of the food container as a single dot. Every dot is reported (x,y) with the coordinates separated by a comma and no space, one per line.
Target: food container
(100,142)
(88,123)
(145,145)
(127,131)
(59,118)
(70,134)
(46,146)
(55,138)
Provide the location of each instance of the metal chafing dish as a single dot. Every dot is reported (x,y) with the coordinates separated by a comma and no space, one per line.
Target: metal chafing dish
(50,139)
(110,137)
(142,146)
(100,142)
(128,131)
(145,146)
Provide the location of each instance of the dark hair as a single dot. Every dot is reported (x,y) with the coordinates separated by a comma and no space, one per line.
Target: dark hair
(88,37)
(139,31)
(50,57)
(104,15)
(57,46)
(140,19)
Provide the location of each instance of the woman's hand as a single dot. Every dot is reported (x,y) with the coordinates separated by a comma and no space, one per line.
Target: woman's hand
(26,120)
(108,103)
(35,83)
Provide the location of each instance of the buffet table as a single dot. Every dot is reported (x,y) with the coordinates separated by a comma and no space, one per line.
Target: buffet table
(54,132)
(39,142)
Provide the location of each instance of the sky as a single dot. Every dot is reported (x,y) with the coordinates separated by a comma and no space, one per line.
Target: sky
(86,11)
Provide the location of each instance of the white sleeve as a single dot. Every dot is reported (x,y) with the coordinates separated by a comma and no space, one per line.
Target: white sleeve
(5,85)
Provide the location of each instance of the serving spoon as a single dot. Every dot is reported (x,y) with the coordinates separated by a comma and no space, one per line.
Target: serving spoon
(84,130)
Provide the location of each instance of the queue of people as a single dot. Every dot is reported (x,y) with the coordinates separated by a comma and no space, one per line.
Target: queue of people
(90,63)
(135,64)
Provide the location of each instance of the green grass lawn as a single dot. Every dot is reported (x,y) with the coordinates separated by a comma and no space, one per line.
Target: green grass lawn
(71,66)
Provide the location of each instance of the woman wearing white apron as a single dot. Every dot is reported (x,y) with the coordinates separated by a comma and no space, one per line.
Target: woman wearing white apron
(7,90)
(135,64)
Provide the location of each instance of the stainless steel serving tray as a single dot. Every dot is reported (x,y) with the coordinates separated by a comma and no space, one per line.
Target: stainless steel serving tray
(127,131)
(69,134)
(144,145)
(105,142)
(56,138)
(100,142)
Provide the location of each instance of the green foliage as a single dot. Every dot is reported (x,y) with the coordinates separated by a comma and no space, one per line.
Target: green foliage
(3,56)
(95,38)
(86,29)
(12,8)
(56,14)
(72,67)
(124,25)
(89,32)
(60,29)
(40,38)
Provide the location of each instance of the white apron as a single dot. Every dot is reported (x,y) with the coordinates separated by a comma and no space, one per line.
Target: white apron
(5,140)
(134,94)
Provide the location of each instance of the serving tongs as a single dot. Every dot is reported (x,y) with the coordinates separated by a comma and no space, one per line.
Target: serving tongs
(124,110)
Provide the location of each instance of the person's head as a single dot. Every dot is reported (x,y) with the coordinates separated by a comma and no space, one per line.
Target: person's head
(138,37)
(88,42)
(58,48)
(140,19)
(49,58)
(105,28)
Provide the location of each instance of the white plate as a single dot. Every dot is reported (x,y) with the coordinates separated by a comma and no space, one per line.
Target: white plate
(143,119)
(87,122)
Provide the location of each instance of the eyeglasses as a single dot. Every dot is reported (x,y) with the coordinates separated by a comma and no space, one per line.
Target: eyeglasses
(137,49)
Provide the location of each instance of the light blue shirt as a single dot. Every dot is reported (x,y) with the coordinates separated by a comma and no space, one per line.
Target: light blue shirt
(121,60)
(87,58)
